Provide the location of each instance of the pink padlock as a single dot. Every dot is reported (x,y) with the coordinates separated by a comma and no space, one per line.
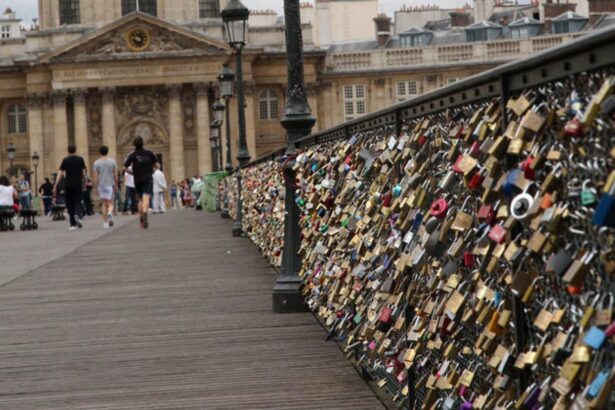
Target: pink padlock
(610,331)
(439,208)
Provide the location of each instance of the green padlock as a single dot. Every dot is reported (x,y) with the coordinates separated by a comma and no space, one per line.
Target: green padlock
(588,195)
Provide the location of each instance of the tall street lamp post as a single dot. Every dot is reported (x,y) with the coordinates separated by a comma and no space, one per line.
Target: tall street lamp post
(35,160)
(215,143)
(226,78)
(10,152)
(235,18)
(218,110)
(298,122)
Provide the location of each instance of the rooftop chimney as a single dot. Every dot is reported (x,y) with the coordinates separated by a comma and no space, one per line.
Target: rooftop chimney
(383,29)
(459,18)
(598,8)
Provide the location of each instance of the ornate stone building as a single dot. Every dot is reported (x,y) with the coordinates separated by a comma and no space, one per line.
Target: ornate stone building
(101,72)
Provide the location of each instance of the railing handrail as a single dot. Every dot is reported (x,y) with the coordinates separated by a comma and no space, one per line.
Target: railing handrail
(588,52)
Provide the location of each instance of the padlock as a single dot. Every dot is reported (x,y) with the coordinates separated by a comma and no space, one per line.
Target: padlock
(463,220)
(588,195)
(498,234)
(521,204)
(526,166)
(476,179)
(604,314)
(509,184)
(605,210)
(535,118)
(594,338)
(486,213)
(439,208)
(574,128)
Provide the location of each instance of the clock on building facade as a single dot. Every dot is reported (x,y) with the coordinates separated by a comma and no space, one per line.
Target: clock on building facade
(138,39)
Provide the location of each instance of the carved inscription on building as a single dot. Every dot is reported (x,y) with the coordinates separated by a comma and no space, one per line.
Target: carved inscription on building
(133,72)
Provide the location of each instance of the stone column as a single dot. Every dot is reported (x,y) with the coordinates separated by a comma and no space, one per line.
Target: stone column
(35,131)
(81,125)
(60,128)
(108,121)
(176,134)
(202,134)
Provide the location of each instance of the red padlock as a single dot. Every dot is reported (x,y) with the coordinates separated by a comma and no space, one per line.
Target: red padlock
(386,200)
(610,330)
(486,213)
(475,181)
(439,208)
(456,164)
(528,171)
(468,259)
(475,149)
(498,234)
(386,315)
(339,314)
(422,140)
(574,128)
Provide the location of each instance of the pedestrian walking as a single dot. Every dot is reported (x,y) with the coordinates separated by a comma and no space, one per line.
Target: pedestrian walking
(160,187)
(72,172)
(46,192)
(105,181)
(142,162)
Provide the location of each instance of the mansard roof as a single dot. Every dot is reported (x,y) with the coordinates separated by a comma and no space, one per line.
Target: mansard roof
(110,42)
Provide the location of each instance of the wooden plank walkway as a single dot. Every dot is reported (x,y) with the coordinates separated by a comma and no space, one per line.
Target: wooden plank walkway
(177,317)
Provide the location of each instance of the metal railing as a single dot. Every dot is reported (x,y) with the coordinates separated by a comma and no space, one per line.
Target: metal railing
(586,53)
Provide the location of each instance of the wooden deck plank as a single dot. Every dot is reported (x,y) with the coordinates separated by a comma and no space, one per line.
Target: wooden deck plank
(177,317)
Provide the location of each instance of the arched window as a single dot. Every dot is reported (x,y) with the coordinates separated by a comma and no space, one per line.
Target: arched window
(145,6)
(268,105)
(17,119)
(69,12)
(209,9)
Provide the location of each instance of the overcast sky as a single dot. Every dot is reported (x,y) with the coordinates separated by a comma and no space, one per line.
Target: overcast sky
(27,9)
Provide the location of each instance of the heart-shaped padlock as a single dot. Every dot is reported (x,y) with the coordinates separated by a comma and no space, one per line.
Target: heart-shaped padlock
(521,204)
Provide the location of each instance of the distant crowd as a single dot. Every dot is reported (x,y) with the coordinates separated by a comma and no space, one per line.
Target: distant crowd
(76,189)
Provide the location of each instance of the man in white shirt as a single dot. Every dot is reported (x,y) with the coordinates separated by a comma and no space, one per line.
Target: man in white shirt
(129,199)
(159,187)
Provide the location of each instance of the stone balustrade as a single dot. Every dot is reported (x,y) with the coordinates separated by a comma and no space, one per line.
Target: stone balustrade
(479,52)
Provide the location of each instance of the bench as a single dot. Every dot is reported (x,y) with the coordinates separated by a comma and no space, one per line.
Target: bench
(6,220)
(28,221)
(57,212)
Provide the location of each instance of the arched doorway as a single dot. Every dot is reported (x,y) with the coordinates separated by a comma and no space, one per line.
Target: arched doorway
(155,138)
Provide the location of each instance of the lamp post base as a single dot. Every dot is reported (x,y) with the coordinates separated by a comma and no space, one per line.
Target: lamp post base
(237,229)
(287,297)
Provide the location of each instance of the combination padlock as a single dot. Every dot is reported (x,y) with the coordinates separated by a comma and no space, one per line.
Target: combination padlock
(521,205)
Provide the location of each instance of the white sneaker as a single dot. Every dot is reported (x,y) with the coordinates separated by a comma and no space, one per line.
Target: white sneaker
(72,228)
(106,225)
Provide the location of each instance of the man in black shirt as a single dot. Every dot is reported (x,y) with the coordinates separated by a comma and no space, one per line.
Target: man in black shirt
(140,163)
(72,170)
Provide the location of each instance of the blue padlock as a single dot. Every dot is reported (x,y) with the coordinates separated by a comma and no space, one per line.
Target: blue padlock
(594,338)
(509,187)
(396,191)
(605,211)
(597,383)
